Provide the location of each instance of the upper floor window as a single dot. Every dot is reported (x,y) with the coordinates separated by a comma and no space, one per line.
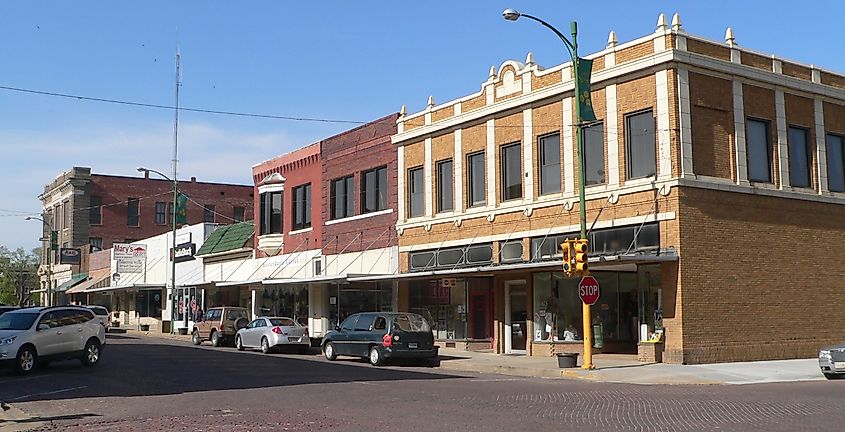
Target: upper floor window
(640,145)
(759,151)
(594,154)
(374,190)
(416,194)
(238,214)
(96,210)
(476,179)
(60,217)
(445,186)
(208,213)
(301,206)
(161,213)
(271,212)
(799,158)
(97,242)
(549,164)
(511,172)
(132,211)
(343,197)
(835,163)
(68,214)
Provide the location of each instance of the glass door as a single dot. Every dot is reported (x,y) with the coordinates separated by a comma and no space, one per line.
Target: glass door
(516,317)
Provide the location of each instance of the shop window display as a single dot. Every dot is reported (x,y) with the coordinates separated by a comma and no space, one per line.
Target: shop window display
(346,300)
(558,309)
(443,303)
(291,302)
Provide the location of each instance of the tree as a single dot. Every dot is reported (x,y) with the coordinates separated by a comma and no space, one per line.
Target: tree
(18,275)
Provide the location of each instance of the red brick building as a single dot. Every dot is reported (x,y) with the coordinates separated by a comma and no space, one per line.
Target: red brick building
(100,210)
(286,188)
(365,157)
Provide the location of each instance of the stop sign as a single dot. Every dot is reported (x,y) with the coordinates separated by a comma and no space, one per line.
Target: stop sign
(589,290)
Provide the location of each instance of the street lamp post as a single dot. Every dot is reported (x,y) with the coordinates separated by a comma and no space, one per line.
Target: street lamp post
(173,301)
(48,255)
(572,48)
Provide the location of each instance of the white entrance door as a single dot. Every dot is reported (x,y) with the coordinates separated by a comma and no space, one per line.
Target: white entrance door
(516,317)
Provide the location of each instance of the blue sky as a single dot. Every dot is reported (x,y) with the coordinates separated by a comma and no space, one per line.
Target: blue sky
(334,60)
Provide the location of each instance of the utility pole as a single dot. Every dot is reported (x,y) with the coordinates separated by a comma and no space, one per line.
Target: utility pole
(582,100)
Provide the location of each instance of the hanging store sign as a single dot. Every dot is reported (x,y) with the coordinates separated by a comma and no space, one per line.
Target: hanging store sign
(70,256)
(184,252)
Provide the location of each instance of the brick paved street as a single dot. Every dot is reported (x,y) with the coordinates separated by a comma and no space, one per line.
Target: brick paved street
(154,384)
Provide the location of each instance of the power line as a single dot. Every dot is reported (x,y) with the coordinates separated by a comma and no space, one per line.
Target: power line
(170,107)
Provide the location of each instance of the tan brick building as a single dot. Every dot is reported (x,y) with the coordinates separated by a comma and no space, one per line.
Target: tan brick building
(714,191)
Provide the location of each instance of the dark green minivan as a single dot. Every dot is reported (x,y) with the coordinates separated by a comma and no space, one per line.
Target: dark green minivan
(379,336)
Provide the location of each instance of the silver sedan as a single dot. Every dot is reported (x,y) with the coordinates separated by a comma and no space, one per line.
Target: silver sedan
(271,333)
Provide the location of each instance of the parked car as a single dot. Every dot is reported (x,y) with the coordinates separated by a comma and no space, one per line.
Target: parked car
(35,336)
(219,325)
(832,361)
(4,309)
(102,313)
(271,333)
(380,336)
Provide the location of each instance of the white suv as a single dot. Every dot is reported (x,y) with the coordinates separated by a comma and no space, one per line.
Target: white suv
(39,335)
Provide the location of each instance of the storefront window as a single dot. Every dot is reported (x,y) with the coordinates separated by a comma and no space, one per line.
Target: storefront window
(147,303)
(443,303)
(558,309)
(346,300)
(289,301)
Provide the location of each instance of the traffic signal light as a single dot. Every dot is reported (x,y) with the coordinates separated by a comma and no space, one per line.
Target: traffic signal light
(579,250)
(566,252)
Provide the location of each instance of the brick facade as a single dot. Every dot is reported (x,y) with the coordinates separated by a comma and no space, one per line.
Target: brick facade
(741,288)
(352,153)
(300,167)
(116,190)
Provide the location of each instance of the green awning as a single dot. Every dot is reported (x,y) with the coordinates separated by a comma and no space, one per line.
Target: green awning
(227,238)
(75,279)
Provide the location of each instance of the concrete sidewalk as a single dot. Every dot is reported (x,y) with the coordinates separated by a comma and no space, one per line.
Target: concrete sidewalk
(626,369)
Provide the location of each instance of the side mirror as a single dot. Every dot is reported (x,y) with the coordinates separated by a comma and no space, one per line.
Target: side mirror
(337,327)
(43,327)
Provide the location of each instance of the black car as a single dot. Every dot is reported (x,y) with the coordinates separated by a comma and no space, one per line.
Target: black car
(379,336)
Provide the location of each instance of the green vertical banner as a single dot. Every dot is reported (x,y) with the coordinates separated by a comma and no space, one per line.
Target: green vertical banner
(585,69)
(181,209)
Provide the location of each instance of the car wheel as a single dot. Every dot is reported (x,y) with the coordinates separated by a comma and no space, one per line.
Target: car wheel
(265,346)
(195,337)
(238,343)
(375,357)
(215,339)
(26,360)
(328,351)
(91,355)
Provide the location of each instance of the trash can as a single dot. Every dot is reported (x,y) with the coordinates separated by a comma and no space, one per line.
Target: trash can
(145,327)
(183,331)
(567,360)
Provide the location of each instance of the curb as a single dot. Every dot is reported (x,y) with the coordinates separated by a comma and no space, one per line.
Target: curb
(11,418)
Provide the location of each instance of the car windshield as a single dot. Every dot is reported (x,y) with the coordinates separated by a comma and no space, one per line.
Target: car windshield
(17,321)
(411,323)
(282,322)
